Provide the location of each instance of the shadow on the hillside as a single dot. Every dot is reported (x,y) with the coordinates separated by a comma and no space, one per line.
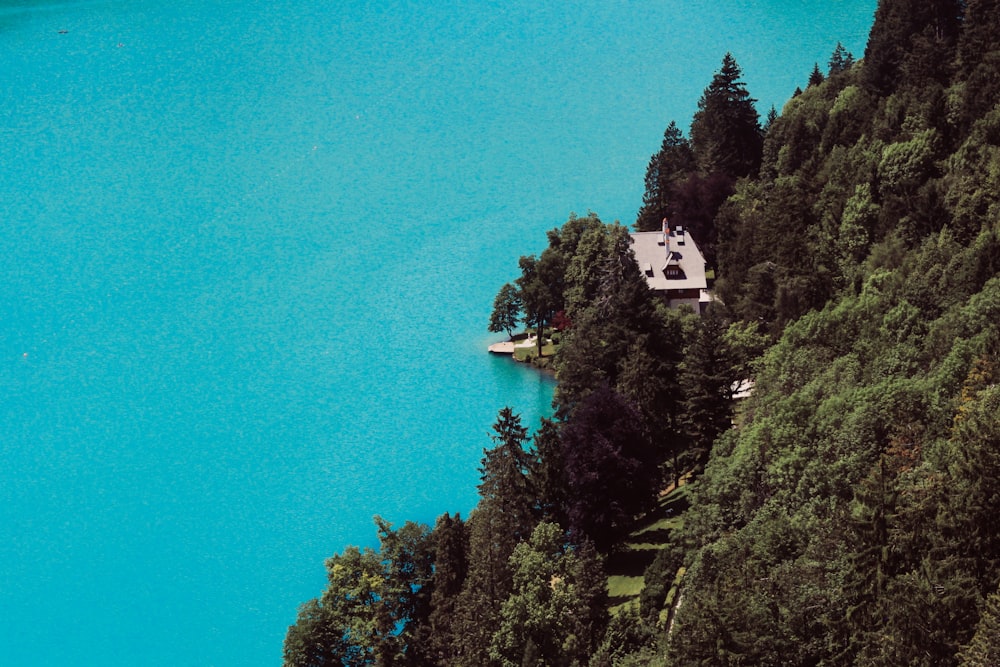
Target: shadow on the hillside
(674,505)
(630,563)
(657,536)
(615,600)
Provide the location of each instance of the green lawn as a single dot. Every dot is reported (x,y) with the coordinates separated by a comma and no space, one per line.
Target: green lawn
(627,565)
(523,353)
(530,354)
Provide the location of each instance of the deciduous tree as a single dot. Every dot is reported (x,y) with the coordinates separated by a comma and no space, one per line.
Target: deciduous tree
(372,604)
(555,615)
(506,310)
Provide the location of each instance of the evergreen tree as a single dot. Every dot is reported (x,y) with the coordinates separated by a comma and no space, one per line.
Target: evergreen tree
(610,304)
(816,77)
(504,487)
(648,377)
(725,133)
(547,473)
(612,472)
(984,649)
(666,169)
(772,115)
(487,585)
(841,60)
(911,42)
(503,518)
(707,377)
(979,60)
(451,566)
(971,515)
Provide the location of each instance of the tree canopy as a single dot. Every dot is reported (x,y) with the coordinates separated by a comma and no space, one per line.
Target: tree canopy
(725,132)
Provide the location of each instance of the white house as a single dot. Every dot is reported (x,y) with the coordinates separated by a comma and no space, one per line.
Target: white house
(673,265)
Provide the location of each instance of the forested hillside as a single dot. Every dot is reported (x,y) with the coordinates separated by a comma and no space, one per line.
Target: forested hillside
(847,511)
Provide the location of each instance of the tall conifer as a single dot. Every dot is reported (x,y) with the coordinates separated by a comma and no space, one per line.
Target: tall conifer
(725,132)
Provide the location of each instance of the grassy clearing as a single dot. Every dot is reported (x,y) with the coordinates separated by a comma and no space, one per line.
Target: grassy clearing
(551,340)
(624,588)
(627,565)
(528,353)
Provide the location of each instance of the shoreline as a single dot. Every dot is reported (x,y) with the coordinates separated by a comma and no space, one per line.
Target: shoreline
(526,341)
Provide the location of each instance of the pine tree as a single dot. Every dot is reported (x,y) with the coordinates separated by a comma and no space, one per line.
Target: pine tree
(451,567)
(612,472)
(547,474)
(978,33)
(707,377)
(725,133)
(772,115)
(841,60)
(477,607)
(979,59)
(504,487)
(666,168)
(984,649)
(503,518)
(816,77)
(975,468)
(911,42)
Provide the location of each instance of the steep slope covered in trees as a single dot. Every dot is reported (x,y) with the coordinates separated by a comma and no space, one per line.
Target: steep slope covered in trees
(851,519)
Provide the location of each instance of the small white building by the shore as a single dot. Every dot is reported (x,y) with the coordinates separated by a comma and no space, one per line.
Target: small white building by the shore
(673,266)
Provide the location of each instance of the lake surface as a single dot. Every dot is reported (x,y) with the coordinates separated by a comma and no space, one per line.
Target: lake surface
(249,253)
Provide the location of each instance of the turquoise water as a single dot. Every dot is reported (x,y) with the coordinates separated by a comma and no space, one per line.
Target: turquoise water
(249,251)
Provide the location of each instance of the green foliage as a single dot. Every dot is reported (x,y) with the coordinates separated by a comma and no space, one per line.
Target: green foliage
(547,474)
(613,312)
(910,43)
(658,578)
(451,545)
(708,379)
(372,605)
(505,516)
(611,471)
(504,485)
(973,177)
(984,649)
(840,61)
(667,168)
(625,636)
(816,76)
(506,310)
(555,614)
(540,290)
(977,87)
(908,164)
(725,132)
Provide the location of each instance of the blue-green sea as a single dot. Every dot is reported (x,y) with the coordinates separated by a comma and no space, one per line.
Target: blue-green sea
(248,251)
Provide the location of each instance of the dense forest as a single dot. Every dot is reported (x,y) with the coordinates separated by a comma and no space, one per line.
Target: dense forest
(846,512)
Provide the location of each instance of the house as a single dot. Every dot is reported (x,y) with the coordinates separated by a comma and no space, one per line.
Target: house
(673,266)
